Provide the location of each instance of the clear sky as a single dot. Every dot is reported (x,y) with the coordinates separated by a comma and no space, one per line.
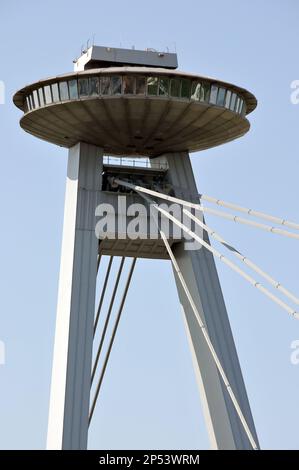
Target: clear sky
(149,398)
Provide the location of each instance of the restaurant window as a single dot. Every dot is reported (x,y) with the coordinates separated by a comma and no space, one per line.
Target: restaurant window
(213,95)
(28,104)
(163,86)
(35,99)
(94,88)
(83,87)
(55,92)
(128,85)
(48,95)
(140,85)
(152,85)
(227,99)
(185,89)
(73,89)
(221,97)
(64,91)
(233,102)
(105,85)
(41,97)
(196,91)
(175,87)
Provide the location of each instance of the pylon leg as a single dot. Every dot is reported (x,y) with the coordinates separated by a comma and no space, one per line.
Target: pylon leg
(70,388)
(198,268)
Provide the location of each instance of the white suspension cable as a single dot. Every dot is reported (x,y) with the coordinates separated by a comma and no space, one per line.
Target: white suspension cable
(209,210)
(216,253)
(206,336)
(252,212)
(232,265)
(243,258)
(104,367)
(241,220)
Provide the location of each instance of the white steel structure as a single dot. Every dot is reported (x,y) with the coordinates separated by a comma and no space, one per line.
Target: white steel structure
(120,102)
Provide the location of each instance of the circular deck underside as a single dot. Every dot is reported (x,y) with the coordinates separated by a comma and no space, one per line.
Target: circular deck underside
(135,110)
(136,126)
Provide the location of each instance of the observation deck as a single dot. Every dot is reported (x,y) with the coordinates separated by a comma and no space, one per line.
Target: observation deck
(135,110)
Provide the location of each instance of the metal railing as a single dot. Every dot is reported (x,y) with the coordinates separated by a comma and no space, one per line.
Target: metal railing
(134,162)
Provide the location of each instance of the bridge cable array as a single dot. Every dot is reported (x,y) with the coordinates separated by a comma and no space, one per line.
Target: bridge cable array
(209,210)
(216,253)
(104,331)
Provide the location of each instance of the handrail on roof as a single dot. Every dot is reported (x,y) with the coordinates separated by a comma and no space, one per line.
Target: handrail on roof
(134,162)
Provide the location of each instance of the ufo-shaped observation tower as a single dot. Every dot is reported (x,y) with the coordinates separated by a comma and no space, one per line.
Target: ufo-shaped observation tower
(122,103)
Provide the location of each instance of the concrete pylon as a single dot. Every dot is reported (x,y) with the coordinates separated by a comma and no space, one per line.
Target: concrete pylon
(198,268)
(70,388)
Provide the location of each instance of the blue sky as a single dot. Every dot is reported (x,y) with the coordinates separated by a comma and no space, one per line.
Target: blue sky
(149,399)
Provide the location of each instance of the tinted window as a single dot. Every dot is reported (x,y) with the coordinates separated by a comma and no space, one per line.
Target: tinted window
(129,85)
(94,86)
(31,102)
(243,108)
(73,89)
(152,85)
(205,92)
(28,103)
(115,85)
(221,97)
(196,91)
(175,87)
(41,96)
(164,86)
(83,87)
(48,96)
(105,85)
(35,99)
(233,102)
(140,85)
(64,91)
(186,87)
(227,99)
(55,92)
(213,95)
(240,106)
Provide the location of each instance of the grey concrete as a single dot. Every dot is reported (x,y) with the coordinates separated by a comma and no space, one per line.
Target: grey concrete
(70,388)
